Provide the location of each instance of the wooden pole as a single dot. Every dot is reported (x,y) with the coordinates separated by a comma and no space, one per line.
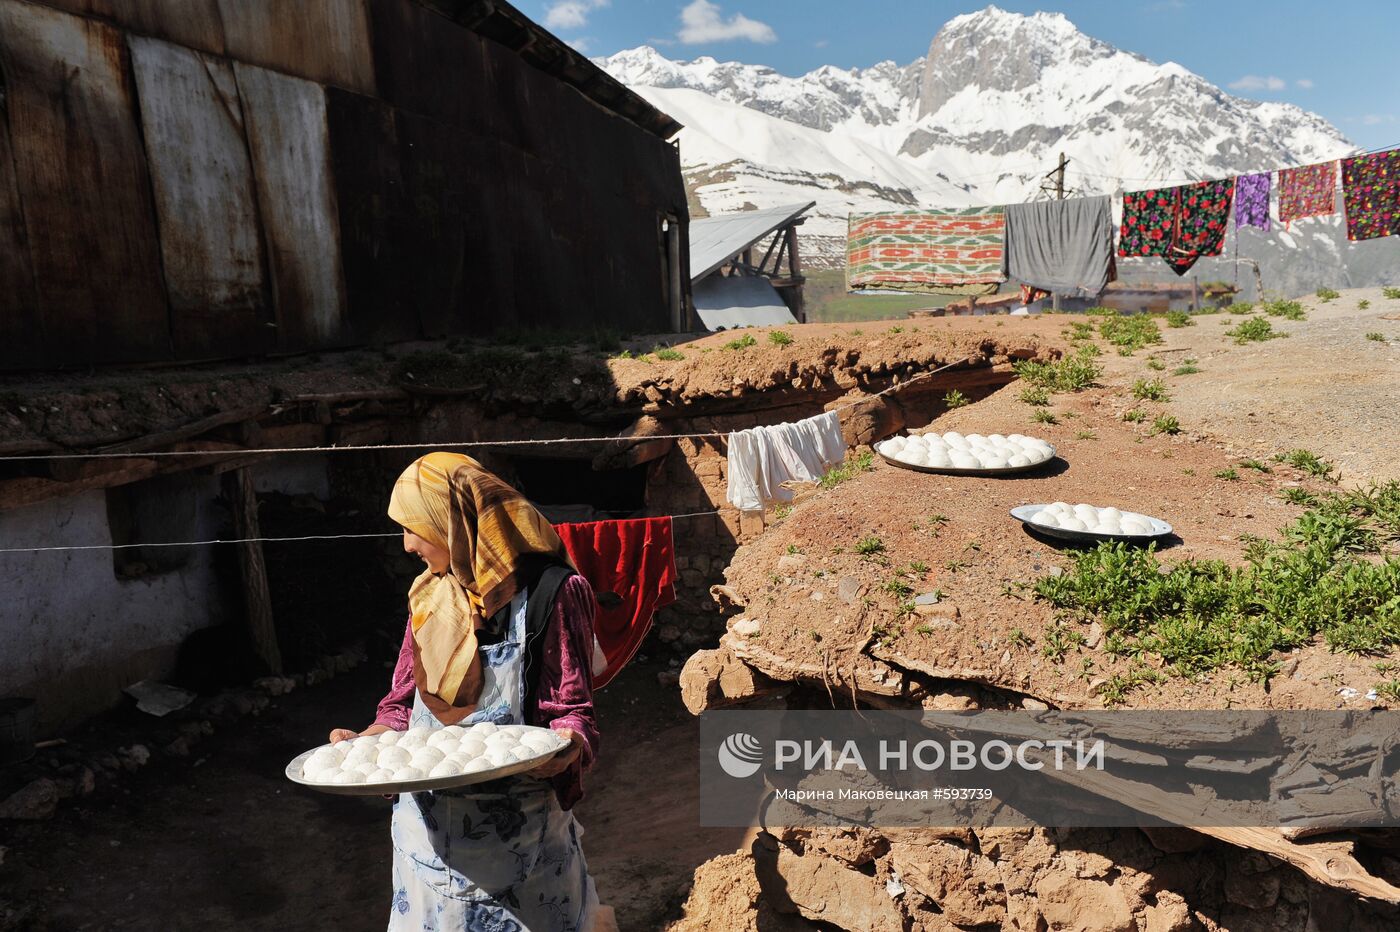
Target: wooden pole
(1059,196)
(673,257)
(799,307)
(257,600)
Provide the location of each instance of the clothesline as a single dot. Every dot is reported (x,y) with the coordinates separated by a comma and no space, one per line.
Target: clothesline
(274,540)
(452,445)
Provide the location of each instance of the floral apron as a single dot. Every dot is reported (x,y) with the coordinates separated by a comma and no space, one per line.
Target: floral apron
(500,856)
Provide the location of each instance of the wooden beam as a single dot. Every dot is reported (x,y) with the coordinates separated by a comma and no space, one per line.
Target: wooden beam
(257,600)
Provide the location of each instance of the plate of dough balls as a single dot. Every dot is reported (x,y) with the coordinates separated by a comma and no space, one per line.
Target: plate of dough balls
(424,758)
(1089,522)
(972,455)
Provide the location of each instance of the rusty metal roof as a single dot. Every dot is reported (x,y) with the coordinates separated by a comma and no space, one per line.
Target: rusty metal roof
(503,23)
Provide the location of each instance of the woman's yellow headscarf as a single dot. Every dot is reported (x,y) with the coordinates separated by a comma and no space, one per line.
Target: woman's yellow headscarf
(496,540)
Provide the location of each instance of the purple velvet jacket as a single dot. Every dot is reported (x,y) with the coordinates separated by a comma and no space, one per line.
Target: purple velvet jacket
(559,688)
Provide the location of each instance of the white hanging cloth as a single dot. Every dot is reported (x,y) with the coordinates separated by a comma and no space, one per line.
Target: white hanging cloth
(761,459)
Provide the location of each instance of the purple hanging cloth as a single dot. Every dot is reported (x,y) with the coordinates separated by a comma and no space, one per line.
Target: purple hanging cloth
(1252,200)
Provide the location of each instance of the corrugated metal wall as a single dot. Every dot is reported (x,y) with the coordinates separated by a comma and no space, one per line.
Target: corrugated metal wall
(194,179)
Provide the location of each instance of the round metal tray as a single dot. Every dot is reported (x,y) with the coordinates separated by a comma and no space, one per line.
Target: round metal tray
(955,471)
(1023,514)
(424,785)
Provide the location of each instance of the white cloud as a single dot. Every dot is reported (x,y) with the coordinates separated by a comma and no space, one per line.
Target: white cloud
(1253,82)
(1305,83)
(579,44)
(821,43)
(570,14)
(1376,119)
(703,21)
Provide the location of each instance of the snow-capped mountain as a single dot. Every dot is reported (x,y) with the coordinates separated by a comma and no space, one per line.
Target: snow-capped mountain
(980,120)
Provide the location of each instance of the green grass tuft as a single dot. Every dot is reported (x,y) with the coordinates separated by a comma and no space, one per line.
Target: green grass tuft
(1290,310)
(780,338)
(861,462)
(955,399)
(742,343)
(1177,319)
(1254,330)
(1043,416)
(1324,576)
(1154,390)
(1166,424)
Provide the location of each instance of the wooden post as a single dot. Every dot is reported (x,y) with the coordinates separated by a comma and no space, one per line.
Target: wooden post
(799,308)
(679,323)
(257,600)
(1059,174)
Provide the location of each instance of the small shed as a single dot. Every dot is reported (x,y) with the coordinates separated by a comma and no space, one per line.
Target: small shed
(729,288)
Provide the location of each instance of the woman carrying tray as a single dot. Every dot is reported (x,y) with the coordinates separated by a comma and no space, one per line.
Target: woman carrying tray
(501,630)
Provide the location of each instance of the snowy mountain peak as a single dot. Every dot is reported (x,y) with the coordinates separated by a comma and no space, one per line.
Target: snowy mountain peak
(979,120)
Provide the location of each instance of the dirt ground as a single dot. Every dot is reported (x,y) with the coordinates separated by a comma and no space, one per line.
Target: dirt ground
(224,841)
(816,599)
(1325,387)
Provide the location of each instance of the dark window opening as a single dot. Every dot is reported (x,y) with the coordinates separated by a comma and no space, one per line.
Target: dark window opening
(149,512)
(568,490)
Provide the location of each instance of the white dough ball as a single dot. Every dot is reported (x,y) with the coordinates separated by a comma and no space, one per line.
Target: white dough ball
(996,438)
(1086,512)
(1018,460)
(389,737)
(413,738)
(939,460)
(1073,524)
(1061,508)
(394,757)
(445,769)
(992,461)
(359,755)
(367,768)
(1046,517)
(958,443)
(1017,438)
(365,741)
(345,776)
(1106,527)
(1136,527)
(440,735)
(426,758)
(524,752)
(330,756)
(477,765)
(962,460)
(973,438)
(380,776)
(472,747)
(482,729)
(447,746)
(499,756)
(408,773)
(1110,514)
(952,435)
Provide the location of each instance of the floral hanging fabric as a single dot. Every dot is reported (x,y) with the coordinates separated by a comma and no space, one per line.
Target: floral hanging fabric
(1180,224)
(1371,189)
(1310,191)
(1252,200)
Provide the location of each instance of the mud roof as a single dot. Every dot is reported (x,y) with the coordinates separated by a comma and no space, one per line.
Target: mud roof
(503,23)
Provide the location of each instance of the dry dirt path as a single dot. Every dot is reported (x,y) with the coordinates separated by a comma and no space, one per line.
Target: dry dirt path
(1325,388)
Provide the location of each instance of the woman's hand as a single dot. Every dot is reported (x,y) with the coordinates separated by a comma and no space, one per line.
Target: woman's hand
(345,734)
(562,759)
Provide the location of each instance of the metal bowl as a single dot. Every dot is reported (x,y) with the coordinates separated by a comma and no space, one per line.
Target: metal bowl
(955,471)
(1023,513)
(426,784)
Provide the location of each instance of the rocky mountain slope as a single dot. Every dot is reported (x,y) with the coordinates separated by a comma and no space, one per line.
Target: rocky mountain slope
(980,119)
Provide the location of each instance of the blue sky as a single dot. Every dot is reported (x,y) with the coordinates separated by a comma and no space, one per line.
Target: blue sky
(1336,59)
